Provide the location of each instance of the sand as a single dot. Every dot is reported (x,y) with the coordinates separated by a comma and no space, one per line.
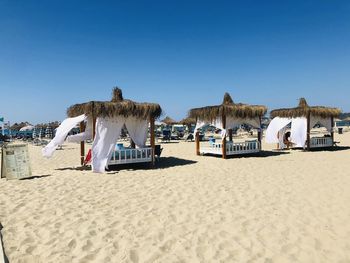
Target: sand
(291,206)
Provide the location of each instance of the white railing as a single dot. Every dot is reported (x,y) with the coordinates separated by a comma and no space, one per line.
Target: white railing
(140,155)
(243,147)
(232,148)
(318,142)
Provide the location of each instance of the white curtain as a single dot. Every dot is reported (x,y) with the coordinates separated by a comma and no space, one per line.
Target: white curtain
(325,122)
(274,127)
(199,125)
(218,124)
(298,131)
(137,129)
(107,133)
(83,136)
(61,134)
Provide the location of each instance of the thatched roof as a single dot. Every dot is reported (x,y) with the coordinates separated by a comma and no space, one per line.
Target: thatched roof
(169,121)
(304,109)
(229,108)
(188,121)
(118,106)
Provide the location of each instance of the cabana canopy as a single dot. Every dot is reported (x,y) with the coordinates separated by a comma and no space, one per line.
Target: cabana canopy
(118,106)
(302,118)
(188,121)
(169,121)
(228,108)
(228,115)
(103,121)
(304,109)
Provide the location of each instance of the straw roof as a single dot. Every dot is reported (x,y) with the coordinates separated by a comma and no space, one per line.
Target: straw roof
(188,121)
(169,121)
(118,106)
(27,128)
(304,109)
(229,108)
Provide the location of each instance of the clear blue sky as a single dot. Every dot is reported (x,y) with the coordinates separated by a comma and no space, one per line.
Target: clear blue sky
(181,54)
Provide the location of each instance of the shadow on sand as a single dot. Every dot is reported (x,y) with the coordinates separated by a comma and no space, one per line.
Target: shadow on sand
(78,168)
(332,149)
(262,154)
(163,163)
(35,177)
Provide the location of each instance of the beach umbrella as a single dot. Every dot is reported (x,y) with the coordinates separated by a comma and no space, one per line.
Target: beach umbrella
(188,121)
(169,121)
(27,128)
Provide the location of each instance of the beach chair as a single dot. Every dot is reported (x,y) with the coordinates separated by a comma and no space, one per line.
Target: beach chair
(189,137)
(157,151)
(166,135)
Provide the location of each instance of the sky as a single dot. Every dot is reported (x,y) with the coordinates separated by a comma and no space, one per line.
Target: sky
(180,54)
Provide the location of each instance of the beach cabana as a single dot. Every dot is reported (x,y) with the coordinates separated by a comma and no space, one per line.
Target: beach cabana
(103,121)
(169,121)
(301,120)
(27,128)
(226,117)
(188,121)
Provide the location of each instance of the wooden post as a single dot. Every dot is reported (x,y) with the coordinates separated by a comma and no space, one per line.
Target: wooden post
(308,131)
(260,134)
(230,135)
(82,144)
(332,130)
(196,138)
(224,139)
(197,143)
(152,139)
(93,121)
(93,127)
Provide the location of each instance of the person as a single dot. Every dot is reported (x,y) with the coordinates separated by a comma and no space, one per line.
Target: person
(286,139)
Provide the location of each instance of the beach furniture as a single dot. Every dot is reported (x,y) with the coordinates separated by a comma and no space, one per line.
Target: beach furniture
(301,120)
(166,135)
(103,122)
(226,117)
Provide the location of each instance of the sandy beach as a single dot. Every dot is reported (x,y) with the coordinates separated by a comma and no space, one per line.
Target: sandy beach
(290,206)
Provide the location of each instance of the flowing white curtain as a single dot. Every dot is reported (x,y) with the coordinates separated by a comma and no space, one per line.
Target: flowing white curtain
(298,131)
(325,122)
(199,125)
(274,127)
(107,133)
(137,129)
(218,124)
(61,134)
(83,136)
